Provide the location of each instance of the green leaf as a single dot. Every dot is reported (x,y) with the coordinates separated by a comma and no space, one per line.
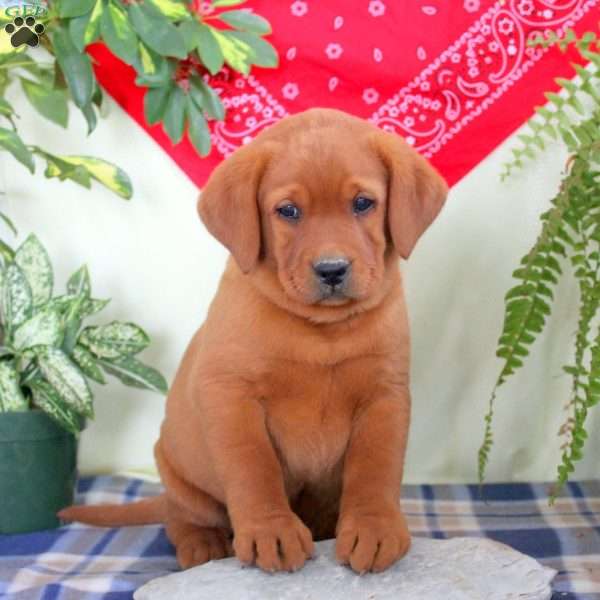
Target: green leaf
(118,34)
(155,103)
(72,319)
(520,290)
(114,340)
(35,263)
(156,30)
(74,8)
(57,167)
(197,128)
(190,29)
(206,99)
(7,255)
(555,99)
(5,108)
(263,54)
(87,363)
(90,116)
(17,303)
(75,65)
(209,49)
(153,69)
(246,21)
(43,328)
(59,303)
(11,396)
(99,102)
(134,373)
(174,9)
(92,306)
(79,282)
(82,169)
(11,142)
(104,172)
(66,379)
(174,117)
(47,398)
(576,104)
(8,223)
(77,30)
(238,54)
(64,304)
(223,3)
(50,103)
(92,30)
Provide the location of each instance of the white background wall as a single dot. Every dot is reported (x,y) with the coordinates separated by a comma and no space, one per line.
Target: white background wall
(154,258)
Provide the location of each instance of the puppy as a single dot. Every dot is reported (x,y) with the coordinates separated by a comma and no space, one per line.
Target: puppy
(288,417)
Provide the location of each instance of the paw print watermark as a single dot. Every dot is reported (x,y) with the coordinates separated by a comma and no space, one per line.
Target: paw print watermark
(24,31)
(24,17)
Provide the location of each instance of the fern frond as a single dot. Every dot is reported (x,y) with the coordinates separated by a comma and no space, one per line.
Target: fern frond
(570,229)
(576,425)
(585,389)
(560,118)
(527,305)
(526,309)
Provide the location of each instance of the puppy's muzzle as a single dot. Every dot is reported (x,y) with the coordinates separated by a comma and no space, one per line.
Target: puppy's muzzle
(332,275)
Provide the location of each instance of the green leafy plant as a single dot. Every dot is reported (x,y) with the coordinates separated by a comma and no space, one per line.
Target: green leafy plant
(569,236)
(173,45)
(47,356)
(44,86)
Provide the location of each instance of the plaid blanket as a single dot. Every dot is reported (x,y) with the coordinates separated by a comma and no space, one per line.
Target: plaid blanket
(81,562)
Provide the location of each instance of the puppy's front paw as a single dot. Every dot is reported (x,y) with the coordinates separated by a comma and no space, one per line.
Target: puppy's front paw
(275,543)
(371,540)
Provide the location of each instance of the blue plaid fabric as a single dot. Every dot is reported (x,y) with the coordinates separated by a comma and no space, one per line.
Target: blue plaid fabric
(89,563)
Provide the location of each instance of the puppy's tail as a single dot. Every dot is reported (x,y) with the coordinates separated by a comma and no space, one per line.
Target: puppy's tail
(144,512)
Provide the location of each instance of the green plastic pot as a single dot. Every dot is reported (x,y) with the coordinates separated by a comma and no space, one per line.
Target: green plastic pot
(37,471)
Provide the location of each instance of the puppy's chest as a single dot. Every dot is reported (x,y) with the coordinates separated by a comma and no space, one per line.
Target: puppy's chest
(309,415)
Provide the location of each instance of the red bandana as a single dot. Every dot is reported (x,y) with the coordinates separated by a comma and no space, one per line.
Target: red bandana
(454,77)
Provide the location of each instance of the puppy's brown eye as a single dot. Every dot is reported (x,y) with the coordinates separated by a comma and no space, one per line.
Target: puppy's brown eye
(362,204)
(289,211)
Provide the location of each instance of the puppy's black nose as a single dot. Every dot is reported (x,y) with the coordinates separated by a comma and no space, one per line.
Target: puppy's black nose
(331,271)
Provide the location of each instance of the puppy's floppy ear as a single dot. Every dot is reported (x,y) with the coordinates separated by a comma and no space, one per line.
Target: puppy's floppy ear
(416,191)
(228,204)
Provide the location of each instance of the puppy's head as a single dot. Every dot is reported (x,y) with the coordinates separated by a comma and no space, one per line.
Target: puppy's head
(317,208)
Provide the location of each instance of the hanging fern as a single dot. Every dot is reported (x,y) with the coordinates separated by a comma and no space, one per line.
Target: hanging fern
(570,235)
(558,119)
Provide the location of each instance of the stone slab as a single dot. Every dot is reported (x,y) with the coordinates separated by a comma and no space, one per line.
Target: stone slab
(455,569)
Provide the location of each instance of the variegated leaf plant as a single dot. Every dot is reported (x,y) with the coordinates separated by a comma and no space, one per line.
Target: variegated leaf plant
(47,356)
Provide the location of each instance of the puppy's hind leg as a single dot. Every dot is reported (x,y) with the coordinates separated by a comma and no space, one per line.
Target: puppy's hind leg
(196,545)
(196,523)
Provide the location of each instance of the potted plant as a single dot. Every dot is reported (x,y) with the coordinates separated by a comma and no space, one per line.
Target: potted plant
(47,360)
(47,357)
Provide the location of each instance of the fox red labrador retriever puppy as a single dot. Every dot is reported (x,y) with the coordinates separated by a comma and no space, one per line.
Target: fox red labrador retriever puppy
(288,417)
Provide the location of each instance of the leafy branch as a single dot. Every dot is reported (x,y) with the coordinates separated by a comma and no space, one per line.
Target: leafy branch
(175,47)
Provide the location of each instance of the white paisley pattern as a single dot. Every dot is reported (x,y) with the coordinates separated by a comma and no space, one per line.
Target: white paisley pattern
(254,109)
(471,80)
(455,88)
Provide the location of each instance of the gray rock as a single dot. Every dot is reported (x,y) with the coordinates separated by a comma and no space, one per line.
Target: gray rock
(455,569)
